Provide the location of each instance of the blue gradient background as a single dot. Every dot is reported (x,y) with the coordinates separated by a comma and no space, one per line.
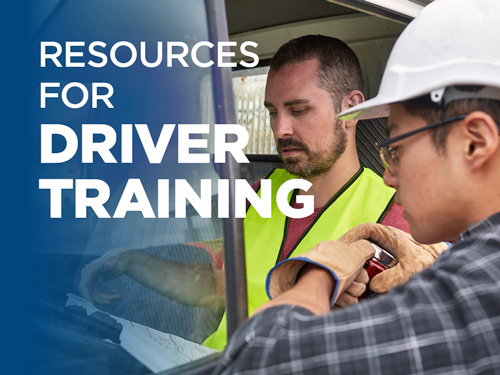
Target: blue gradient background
(15,152)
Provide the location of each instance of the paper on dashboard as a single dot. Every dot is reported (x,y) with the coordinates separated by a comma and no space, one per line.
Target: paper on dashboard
(155,349)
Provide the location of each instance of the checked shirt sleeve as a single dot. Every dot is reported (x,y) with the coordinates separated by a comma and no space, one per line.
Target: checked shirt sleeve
(445,320)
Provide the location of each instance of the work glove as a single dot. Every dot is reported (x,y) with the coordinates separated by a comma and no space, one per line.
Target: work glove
(412,257)
(342,260)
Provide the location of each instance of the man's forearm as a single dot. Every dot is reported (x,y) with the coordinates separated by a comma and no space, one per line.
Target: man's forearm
(187,283)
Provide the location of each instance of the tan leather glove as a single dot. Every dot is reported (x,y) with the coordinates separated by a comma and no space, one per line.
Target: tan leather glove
(342,260)
(412,256)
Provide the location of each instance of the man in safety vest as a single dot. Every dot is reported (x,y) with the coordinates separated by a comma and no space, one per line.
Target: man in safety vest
(441,90)
(311,79)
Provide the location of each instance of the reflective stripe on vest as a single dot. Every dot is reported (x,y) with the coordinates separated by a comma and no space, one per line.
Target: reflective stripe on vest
(364,198)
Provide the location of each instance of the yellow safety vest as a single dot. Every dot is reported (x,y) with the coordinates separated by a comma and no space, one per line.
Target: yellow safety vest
(364,198)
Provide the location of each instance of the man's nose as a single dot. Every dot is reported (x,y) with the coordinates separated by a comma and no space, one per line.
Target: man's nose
(390,179)
(282,126)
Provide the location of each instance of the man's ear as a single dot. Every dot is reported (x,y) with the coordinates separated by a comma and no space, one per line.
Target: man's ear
(482,139)
(355,97)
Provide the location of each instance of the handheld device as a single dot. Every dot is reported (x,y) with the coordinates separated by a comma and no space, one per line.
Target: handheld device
(381,261)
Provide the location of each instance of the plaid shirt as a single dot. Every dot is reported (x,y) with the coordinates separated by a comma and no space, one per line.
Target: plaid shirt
(445,320)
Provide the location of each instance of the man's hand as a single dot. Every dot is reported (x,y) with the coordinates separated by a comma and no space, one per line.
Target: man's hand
(106,268)
(343,262)
(354,291)
(412,256)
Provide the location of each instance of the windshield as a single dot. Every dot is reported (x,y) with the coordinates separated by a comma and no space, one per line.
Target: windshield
(128,241)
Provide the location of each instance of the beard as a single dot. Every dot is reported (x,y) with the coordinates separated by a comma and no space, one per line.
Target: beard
(316,163)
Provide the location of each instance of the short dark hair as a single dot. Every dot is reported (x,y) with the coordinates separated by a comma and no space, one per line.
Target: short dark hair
(339,69)
(455,108)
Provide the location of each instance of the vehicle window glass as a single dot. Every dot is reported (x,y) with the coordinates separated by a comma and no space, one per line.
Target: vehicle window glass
(127,200)
(249,90)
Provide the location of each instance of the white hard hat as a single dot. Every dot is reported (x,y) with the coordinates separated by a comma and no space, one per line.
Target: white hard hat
(450,43)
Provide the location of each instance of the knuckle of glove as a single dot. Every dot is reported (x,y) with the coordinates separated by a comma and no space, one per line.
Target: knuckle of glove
(385,281)
(343,259)
(359,232)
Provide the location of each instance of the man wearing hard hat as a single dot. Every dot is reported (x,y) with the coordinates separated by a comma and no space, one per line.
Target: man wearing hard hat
(441,90)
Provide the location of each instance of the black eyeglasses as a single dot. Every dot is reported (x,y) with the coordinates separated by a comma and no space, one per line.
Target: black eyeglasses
(388,154)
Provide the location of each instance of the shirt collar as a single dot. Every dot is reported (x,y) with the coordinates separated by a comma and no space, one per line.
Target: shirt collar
(481,226)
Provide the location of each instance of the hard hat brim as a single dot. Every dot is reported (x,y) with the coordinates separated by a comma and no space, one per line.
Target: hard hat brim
(373,108)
